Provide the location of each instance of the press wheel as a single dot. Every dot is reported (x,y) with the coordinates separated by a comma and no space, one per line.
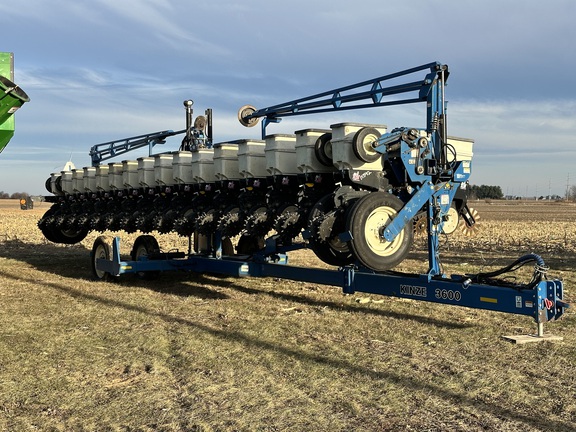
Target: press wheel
(366,221)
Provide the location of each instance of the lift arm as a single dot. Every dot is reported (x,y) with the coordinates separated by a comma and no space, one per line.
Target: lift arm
(366,94)
(108,150)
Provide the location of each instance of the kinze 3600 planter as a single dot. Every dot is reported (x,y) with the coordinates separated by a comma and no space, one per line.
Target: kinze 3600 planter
(353,194)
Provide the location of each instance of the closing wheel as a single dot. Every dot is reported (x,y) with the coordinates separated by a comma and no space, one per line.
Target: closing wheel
(472,222)
(367,220)
(420,223)
(324,240)
(323,149)
(100,250)
(362,144)
(143,246)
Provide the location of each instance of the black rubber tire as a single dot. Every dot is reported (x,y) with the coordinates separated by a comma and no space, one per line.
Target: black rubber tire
(248,244)
(49,234)
(143,246)
(58,184)
(361,144)
(71,236)
(332,252)
(61,235)
(100,249)
(366,219)
(48,184)
(323,149)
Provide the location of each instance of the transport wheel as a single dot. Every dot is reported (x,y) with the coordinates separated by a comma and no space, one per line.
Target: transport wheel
(367,219)
(452,221)
(323,149)
(100,250)
(324,240)
(362,144)
(143,246)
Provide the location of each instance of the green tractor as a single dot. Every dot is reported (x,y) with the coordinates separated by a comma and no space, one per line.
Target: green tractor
(12,97)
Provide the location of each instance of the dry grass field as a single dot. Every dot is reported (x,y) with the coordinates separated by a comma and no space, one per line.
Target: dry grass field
(190,352)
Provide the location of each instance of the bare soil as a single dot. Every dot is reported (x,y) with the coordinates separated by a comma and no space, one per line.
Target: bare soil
(199,352)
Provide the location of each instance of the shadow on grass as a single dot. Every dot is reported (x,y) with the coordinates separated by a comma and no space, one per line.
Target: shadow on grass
(293,353)
(352,308)
(74,262)
(557,261)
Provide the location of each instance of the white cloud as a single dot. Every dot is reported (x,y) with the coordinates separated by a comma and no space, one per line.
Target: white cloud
(105,69)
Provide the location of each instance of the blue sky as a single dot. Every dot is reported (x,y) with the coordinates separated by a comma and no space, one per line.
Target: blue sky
(98,70)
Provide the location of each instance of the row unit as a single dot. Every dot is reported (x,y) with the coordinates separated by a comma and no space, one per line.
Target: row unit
(305,151)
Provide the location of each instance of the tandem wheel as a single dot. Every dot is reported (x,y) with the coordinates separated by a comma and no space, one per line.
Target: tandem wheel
(145,245)
(101,250)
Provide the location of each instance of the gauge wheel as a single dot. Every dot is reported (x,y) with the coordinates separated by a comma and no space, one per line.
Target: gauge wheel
(323,149)
(68,235)
(249,244)
(362,144)
(145,245)
(56,234)
(366,221)
(100,250)
(452,221)
(331,250)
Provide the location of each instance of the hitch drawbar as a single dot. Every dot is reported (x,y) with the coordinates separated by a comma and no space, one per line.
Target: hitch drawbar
(543,301)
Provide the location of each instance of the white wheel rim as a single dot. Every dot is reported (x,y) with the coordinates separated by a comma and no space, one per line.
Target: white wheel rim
(451,223)
(377,219)
(141,251)
(367,144)
(100,254)
(338,245)
(328,149)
